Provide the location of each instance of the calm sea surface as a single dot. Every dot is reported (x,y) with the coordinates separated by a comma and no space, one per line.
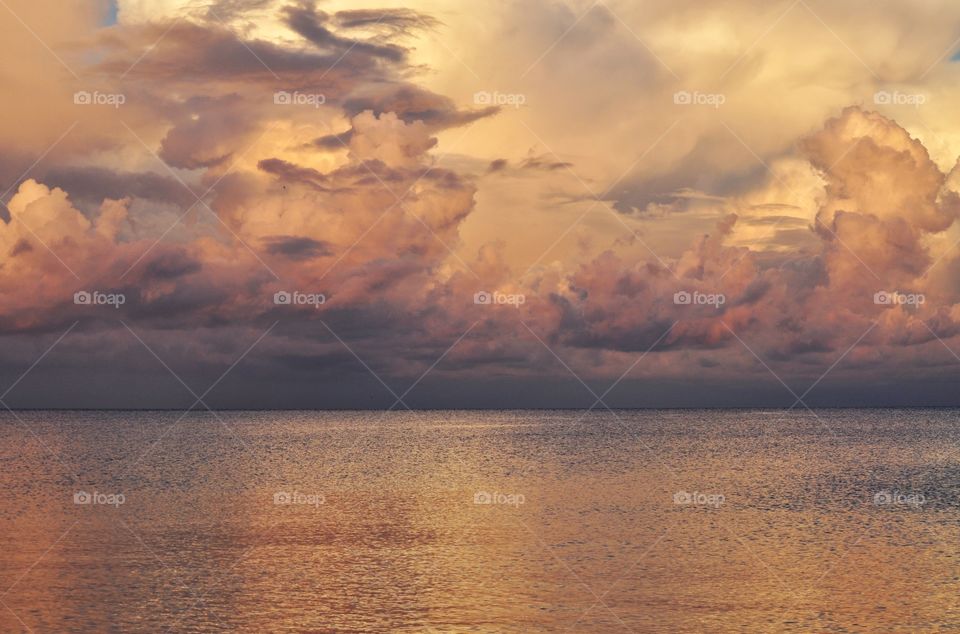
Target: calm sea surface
(513,521)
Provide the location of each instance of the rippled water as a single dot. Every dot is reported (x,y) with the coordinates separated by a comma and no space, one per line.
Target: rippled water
(651,521)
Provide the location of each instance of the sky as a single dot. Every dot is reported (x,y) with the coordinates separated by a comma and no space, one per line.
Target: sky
(309,204)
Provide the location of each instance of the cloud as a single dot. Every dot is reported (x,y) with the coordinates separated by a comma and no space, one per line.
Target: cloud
(96,183)
(388,139)
(882,199)
(285,170)
(412,104)
(334,142)
(295,248)
(398,20)
(310,23)
(797,218)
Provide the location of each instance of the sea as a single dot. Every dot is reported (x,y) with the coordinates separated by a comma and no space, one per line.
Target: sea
(825,520)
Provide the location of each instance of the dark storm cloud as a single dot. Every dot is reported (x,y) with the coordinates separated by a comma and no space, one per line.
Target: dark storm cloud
(332,142)
(286,171)
(635,338)
(446,179)
(171,265)
(189,303)
(309,22)
(810,342)
(295,247)
(196,53)
(97,183)
(595,329)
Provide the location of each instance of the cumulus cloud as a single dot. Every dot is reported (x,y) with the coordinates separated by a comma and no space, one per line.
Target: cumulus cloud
(882,200)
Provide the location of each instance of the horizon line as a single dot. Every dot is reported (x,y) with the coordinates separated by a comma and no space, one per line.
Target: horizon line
(472,409)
